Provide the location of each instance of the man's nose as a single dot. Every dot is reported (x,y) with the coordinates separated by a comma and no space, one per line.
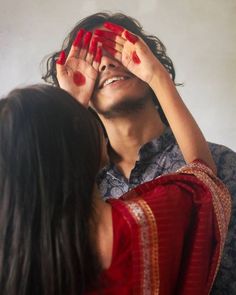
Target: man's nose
(108,63)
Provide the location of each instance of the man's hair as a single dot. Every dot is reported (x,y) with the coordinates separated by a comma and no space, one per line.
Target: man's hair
(131,24)
(50,154)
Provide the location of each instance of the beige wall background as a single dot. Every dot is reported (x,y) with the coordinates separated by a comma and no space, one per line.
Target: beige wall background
(200,36)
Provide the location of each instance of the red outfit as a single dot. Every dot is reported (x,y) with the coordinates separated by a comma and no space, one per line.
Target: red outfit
(168,235)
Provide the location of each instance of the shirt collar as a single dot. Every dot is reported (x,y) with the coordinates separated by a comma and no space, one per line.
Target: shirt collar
(149,149)
(157,145)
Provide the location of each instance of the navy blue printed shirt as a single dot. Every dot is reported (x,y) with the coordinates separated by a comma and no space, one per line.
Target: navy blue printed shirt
(161,156)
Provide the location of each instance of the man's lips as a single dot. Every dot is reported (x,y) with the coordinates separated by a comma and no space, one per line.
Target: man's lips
(109,79)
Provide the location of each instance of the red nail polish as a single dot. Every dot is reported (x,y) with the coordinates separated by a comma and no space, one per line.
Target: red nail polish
(130,37)
(98,56)
(62,58)
(114,28)
(87,38)
(100,38)
(135,58)
(93,46)
(106,42)
(78,40)
(79,79)
(105,34)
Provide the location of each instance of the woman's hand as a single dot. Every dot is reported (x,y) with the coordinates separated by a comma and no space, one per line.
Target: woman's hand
(131,51)
(78,72)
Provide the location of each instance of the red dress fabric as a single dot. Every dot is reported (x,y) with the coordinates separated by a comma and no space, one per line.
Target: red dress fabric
(118,278)
(168,236)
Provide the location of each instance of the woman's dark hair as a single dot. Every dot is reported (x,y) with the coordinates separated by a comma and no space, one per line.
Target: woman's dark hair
(50,153)
(131,24)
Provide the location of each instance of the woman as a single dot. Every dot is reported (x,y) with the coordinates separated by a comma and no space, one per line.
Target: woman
(57,234)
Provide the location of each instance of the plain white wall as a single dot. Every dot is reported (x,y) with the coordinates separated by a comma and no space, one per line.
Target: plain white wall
(200,36)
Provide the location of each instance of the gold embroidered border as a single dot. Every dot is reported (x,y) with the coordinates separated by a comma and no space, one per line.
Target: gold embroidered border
(220,197)
(149,245)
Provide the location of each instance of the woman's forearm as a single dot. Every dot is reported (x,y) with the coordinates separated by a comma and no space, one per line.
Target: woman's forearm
(186,131)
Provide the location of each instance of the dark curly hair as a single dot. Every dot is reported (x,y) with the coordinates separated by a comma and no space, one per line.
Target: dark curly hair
(96,20)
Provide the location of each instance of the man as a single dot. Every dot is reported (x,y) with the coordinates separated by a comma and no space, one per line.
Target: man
(141,146)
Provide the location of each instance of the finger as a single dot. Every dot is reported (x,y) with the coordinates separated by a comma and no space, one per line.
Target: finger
(110,35)
(78,40)
(114,28)
(60,65)
(62,58)
(97,58)
(119,30)
(85,45)
(92,50)
(130,37)
(110,43)
(112,51)
(74,52)
(76,46)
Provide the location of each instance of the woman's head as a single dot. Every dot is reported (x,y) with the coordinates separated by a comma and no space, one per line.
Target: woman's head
(50,153)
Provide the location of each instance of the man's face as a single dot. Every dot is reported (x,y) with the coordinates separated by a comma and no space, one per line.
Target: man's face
(116,86)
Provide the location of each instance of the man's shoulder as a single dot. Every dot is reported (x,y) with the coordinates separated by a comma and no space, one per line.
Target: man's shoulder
(225,159)
(221,153)
(221,149)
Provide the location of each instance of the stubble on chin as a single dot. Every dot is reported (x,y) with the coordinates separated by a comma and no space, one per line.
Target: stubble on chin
(123,108)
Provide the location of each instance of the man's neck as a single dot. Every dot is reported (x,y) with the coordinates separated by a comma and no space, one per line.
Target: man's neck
(128,133)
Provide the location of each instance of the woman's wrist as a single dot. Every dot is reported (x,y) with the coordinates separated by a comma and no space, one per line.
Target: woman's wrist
(160,78)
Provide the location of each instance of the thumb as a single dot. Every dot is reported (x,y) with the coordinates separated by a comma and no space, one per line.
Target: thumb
(60,68)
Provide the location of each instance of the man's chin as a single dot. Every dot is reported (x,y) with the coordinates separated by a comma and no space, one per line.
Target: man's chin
(122,108)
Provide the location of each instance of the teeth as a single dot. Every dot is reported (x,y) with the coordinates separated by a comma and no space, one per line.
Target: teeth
(109,81)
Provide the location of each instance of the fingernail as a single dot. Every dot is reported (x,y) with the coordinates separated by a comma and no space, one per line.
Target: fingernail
(106,34)
(130,37)
(98,56)
(62,58)
(106,42)
(113,27)
(87,38)
(78,39)
(93,46)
